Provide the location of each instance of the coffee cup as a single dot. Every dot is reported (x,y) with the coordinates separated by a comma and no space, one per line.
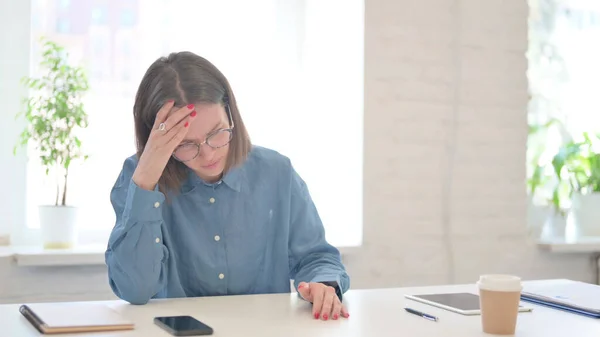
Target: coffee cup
(499,297)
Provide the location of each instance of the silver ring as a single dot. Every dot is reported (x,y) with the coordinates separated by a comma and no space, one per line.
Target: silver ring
(162,127)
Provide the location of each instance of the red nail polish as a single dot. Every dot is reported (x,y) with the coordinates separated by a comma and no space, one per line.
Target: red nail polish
(335,316)
(325,317)
(170,101)
(193,114)
(190,106)
(347,315)
(316,315)
(186,124)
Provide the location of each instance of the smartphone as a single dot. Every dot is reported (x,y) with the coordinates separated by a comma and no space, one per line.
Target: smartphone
(183,326)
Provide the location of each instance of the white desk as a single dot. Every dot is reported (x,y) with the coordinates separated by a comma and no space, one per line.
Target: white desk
(373,313)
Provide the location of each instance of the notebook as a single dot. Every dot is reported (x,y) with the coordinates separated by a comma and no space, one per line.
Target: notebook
(57,318)
(577,297)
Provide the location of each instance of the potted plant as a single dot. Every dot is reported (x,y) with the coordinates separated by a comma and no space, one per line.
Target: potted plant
(54,112)
(546,207)
(546,75)
(577,164)
(537,210)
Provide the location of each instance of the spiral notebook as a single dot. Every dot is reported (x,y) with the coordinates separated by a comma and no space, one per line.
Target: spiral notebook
(573,296)
(60,318)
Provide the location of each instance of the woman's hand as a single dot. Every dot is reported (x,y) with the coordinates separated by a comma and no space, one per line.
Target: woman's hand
(326,303)
(168,131)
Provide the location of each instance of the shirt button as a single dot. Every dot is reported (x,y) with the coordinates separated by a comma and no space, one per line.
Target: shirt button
(217,238)
(221,276)
(156,204)
(212,200)
(157,240)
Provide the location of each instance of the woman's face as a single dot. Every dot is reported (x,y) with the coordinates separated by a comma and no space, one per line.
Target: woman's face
(209,163)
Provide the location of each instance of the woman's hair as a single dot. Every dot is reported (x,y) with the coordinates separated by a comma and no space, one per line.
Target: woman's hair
(188,79)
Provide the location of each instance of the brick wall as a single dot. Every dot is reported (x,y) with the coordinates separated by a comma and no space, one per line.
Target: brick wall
(445,135)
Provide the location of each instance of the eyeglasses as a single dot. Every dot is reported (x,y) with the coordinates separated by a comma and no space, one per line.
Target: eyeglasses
(216,139)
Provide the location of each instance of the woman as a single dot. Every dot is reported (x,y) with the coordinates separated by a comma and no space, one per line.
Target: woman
(202,212)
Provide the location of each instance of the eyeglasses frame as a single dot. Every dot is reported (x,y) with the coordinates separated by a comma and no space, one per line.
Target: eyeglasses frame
(198,145)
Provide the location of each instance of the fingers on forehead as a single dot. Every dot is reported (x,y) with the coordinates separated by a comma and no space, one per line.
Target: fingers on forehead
(172,111)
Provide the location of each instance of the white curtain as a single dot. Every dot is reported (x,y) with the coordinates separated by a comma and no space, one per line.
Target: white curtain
(296,67)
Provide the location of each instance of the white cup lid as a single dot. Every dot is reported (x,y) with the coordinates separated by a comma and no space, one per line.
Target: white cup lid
(497,282)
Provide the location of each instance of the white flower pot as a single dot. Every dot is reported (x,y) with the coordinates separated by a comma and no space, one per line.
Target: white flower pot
(58,226)
(554,226)
(586,213)
(537,216)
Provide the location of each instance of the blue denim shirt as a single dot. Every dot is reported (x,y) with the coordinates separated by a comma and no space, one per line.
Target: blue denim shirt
(248,234)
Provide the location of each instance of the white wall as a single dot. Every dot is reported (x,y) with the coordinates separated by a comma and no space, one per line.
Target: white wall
(445,131)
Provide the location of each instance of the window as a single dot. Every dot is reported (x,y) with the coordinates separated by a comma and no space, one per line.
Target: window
(63,26)
(563,70)
(299,93)
(99,15)
(127,17)
(64,3)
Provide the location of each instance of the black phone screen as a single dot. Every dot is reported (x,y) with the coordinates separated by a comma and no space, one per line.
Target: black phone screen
(183,326)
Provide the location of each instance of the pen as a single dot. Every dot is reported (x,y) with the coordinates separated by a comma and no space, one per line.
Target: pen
(422,314)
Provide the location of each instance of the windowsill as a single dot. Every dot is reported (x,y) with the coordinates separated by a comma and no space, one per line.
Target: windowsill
(32,256)
(589,244)
(92,255)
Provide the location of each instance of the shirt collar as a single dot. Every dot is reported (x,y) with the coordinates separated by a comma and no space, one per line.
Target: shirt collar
(233,179)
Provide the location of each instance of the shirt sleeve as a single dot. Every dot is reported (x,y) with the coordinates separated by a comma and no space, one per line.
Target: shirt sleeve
(136,256)
(312,258)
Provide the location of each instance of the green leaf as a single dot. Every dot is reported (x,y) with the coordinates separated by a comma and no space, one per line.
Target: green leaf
(53,110)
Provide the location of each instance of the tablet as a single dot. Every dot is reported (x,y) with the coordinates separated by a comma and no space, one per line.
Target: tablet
(462,303)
